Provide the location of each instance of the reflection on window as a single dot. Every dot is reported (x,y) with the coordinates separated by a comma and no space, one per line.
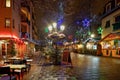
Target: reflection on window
(8,3)
(7,22)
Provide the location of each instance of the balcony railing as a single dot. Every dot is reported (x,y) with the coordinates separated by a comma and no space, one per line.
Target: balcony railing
(116,26)
(25,20)
(24,35)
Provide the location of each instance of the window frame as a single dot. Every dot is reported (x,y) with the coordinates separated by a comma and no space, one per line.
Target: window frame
(7,3)
(7,23)
(107,24)
(108,7)
(117,18)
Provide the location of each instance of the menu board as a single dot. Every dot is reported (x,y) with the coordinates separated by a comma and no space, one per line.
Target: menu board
(65,57)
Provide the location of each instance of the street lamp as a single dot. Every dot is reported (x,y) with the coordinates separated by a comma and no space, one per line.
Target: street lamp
(53,27)
(55,34)
(92,35)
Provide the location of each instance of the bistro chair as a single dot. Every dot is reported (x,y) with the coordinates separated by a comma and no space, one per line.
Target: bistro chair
(6,73)
(18,72)
(28,66)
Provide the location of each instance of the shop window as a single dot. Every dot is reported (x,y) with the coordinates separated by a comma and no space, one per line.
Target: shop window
(8,3)
(107,25)
(7,22)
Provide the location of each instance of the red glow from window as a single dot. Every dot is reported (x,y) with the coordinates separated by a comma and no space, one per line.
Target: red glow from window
(8,36)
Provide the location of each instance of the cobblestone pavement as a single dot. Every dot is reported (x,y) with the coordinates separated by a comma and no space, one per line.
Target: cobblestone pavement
(51,72)
(85,67)
(46,71)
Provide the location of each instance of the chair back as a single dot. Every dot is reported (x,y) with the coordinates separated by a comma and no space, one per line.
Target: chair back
(5,70)
(24,61)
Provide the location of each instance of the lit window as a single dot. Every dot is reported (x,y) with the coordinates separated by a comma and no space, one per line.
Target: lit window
(8,3)
(7,22)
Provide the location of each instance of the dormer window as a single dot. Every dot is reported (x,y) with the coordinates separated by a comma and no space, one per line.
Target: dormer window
(117,2)
(108,7)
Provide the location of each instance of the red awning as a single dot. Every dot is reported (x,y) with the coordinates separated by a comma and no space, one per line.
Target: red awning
(111,36)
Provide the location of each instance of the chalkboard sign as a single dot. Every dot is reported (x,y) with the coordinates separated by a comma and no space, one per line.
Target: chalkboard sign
(65,57)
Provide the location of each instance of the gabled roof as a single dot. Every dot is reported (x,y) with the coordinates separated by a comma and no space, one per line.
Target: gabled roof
(111,36)
(92,40)
(110,12)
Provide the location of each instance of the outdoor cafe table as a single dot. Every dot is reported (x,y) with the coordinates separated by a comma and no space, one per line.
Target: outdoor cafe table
(14,58)
(14,67)
(29,61)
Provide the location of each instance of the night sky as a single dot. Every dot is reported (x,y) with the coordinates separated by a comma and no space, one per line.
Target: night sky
(48,11)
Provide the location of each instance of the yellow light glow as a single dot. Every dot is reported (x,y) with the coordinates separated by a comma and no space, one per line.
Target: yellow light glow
(54,25)
(89,46)
(8,4)
(92,35)
(50,28)
(26,43)
(80,46)
(1,42)
(62,27)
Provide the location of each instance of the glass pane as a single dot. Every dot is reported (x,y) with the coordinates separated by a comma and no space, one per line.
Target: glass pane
(8,3)
(7,22)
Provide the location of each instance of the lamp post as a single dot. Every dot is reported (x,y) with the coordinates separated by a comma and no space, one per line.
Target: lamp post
(55,34)
(92,35)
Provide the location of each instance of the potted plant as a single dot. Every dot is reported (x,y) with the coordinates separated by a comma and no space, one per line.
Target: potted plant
(13,51)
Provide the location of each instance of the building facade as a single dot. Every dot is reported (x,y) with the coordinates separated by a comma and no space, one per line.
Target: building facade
(111,28)
(111,17)
(16,32)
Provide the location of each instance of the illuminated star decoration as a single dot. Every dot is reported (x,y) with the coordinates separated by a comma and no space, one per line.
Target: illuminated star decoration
(46,30)
(100,30)
(86,23)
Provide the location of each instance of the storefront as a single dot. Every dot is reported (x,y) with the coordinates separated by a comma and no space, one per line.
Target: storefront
(111,45)
(11,46)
